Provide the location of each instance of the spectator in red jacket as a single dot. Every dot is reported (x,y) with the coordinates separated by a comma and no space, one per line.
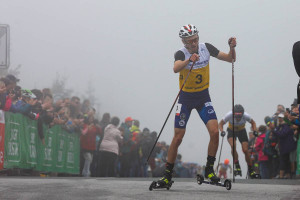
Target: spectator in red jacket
(88,145)
(262,158)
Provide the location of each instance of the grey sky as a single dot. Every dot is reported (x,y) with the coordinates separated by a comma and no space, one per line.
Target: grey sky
(126,48)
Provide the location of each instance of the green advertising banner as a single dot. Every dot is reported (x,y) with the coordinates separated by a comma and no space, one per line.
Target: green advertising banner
(30,143)
(24,149)
(61,152)
(46,159)
(73,154)
(14,136)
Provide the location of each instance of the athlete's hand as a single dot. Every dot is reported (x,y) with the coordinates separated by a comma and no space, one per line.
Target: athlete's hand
(232,42)
(223,133)
(194,57)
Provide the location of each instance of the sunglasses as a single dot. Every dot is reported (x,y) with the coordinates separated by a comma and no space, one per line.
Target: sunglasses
(238,115)
(192,41)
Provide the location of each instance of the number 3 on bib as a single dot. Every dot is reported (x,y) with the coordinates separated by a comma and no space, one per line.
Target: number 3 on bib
(199,79)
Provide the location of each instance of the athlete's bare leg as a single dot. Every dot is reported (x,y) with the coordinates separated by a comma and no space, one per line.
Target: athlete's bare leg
(246,152)
(176,141)
(230,141)
(212,127)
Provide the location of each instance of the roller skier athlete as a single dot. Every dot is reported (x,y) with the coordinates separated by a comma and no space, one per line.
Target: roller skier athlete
(240,119)
(194,95)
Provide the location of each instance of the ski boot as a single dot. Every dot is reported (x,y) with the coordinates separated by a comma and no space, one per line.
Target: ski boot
(164,182)
(210,174)
(252,174)
(237,170)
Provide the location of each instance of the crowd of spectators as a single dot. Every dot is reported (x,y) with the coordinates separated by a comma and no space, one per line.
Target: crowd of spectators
(112,148)
(274,150)
(107,148)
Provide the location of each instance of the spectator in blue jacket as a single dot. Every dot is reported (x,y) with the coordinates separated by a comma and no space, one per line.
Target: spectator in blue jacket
(287,144)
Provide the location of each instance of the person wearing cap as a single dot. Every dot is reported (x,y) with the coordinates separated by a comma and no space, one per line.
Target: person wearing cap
(287,144)
(240,119)
(28,101)
(195,95)
(125,157)
(262,157)
(223,168)
(280,109)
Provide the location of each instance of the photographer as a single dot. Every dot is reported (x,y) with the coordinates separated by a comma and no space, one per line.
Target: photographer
(293,117)
(287,144)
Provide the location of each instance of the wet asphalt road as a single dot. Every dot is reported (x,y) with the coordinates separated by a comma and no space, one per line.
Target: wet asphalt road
(73,188)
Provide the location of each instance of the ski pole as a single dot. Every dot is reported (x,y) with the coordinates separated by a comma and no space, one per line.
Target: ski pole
(170,112)
(233,149)
(222,134)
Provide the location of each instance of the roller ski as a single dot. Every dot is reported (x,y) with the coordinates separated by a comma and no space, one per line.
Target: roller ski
(164,182)
(212,179)
(160,184)
(253,175)
(226,184)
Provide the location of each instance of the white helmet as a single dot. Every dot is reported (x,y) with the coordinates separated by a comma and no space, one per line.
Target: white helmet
(28,93)
(188,31)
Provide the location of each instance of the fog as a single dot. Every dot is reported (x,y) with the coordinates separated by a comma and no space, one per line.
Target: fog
(126,50)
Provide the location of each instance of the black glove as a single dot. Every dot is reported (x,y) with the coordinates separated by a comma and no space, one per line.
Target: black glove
(255,133)
(223,133)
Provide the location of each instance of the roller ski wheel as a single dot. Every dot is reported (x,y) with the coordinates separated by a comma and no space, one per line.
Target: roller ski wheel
(200,179)
(160,185)
(254,176)
(226,184)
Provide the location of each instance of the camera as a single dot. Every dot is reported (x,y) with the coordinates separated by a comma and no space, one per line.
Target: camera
(294,114)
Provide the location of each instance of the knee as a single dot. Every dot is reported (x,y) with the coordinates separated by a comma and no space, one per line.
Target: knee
(214,135)
(88,157)
(177,140)
(245,150)
(178,136)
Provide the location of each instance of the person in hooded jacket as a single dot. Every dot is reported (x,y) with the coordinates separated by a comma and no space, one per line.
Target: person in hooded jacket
(262,158)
